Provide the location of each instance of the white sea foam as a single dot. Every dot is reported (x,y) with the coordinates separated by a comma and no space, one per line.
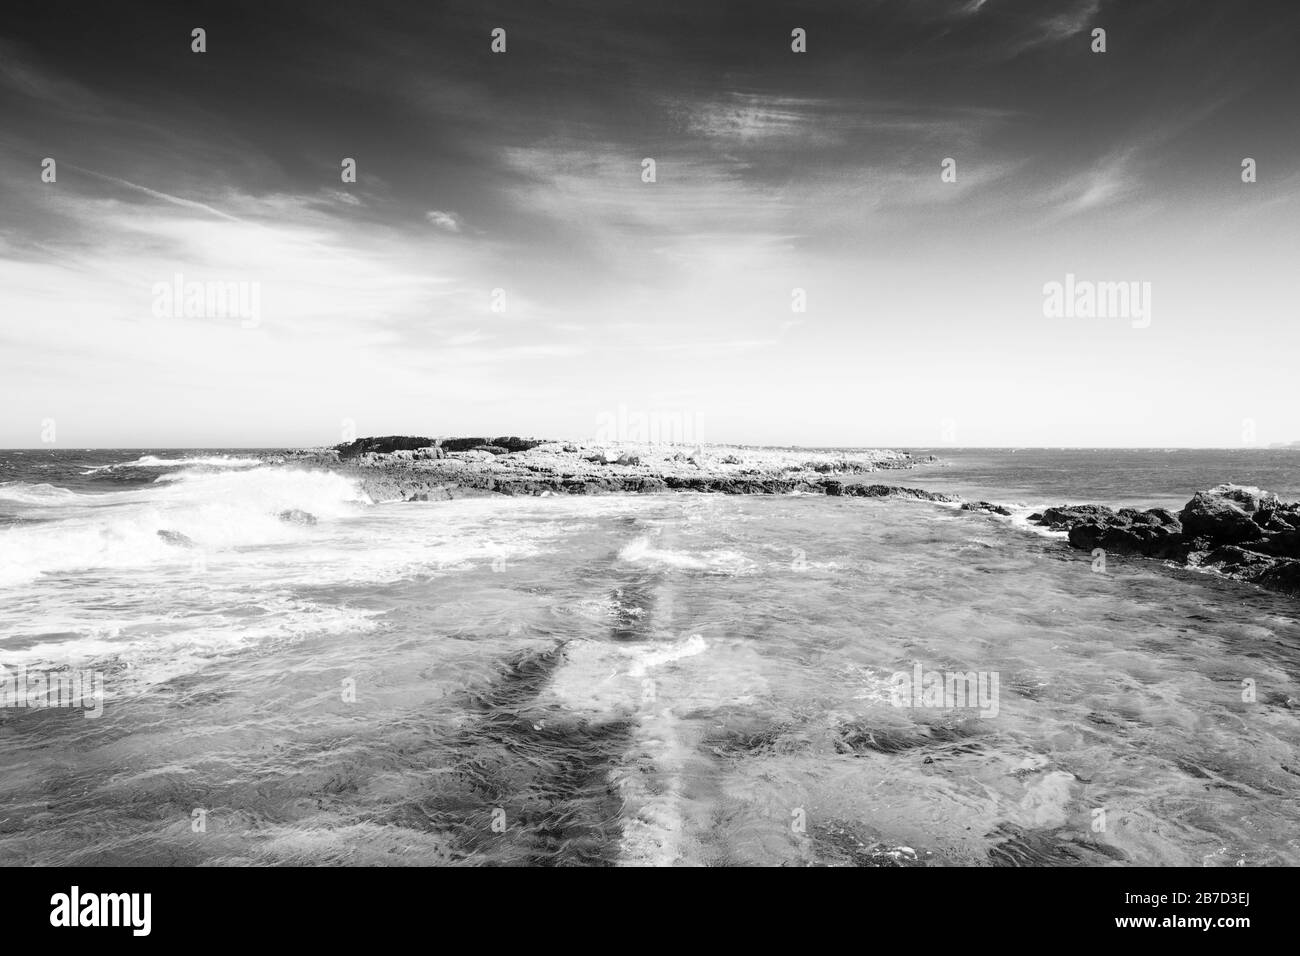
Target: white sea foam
(213,510)
(1020,519)
(650,656)
(207,461)
(148,649)
(718,562)
(36,494)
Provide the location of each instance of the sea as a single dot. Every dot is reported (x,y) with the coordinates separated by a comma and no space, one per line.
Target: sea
(291,674)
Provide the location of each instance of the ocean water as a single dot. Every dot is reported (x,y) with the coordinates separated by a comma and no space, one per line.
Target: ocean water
(629,680)
(1147,478)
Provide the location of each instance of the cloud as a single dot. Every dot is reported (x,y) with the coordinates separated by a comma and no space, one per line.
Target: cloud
(751,118)
(156,194)
(343,196)
(444,220)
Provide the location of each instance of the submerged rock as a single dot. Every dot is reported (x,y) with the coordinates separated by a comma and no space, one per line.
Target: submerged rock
(176,538)
(986,506)
(1014,845)
(297,516)
(845,843)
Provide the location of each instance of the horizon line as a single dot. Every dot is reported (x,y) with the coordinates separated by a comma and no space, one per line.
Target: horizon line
(1283,446)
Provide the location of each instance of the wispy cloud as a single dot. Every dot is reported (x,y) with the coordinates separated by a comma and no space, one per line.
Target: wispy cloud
(157,194)
(444,220)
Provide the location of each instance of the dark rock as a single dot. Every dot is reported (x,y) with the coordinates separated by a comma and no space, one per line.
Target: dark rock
(1231,556)
(1274,516)
(1242,533)
(463,444)
(1126,537)
(176,538)
(297,516)
(1163,516)
(512,443)
(894,491)
(381,446)
(1065,517)
(985,506)
(1283,544)
(1275,573)
(1283,576)
(1223,514)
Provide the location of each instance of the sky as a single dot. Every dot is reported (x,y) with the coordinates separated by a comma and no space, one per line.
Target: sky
(501,266)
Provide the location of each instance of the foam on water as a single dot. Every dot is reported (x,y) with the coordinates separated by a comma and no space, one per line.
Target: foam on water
(153,461)
(642,550)
(145,650)
(36,494)
(97,584)
(645,658)
(213,510)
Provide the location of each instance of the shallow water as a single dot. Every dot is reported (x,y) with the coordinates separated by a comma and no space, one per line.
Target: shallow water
(627,680)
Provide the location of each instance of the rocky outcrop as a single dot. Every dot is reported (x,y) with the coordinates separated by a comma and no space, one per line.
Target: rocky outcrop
(883,491)
(422,469)
(1224,514)
(1239,532)
(1128,531)
(432,447)
(382,446)
(1067,516)
(508,443)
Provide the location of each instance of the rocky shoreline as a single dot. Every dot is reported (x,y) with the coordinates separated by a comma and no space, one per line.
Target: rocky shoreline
(423,469)
(1238,532)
